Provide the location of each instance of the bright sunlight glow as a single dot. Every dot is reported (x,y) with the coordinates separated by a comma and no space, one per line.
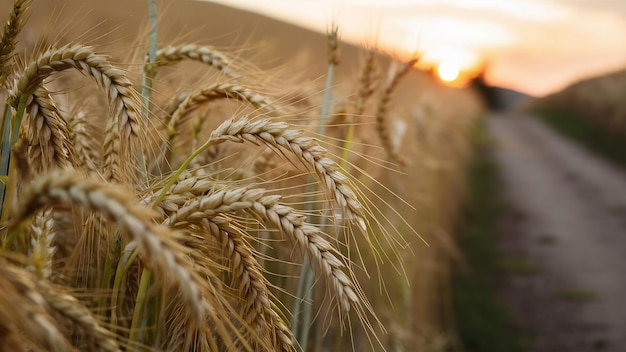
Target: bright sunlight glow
(448,71)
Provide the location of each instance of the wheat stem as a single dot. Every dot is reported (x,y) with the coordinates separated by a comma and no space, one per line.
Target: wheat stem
(5,157)
(300,322)
(148,69)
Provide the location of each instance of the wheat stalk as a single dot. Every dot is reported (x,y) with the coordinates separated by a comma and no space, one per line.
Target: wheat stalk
(278,135)
(366,86)
(131,283)
(42,243)
(205,95)
(205,54)
(213,92)
(9,37)
(80,317)
(84,152)
(257,308)
(48,134)
(124,130)
(383,106)
(219,201)
(308,238)
(155,242)
(28,311)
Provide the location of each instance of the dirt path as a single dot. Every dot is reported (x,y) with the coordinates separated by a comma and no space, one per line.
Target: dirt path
(568,223)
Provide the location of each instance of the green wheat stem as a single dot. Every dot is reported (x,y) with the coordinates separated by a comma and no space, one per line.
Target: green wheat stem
(172,179)
(308,309)
(5,167)
(108,271)
(149,69)
(295,321)
(106,277)
(148,77)
(326,106)
(126,261)
(138,324)
(305,285)
(19,116)
(6,154)
(347,143)
(262,248)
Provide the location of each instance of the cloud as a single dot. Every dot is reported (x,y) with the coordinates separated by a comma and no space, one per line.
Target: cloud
(451,30)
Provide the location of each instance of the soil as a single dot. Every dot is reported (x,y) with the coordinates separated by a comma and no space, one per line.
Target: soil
(567,224)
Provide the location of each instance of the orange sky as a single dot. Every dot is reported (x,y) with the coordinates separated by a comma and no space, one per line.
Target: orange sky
(536,46)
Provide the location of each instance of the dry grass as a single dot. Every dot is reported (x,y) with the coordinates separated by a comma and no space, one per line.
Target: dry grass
(108,245)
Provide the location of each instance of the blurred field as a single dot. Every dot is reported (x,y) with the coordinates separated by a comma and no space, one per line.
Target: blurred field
(409,284)
(598,99)
(592,111)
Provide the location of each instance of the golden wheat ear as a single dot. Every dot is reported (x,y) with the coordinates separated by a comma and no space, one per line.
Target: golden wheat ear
(125,130)
(382,111)
(81,138)
(192,210)
(48,134)
(254,300)
(204,54)
(27,317)
(79,317)
(42,240)
(328,262)
(206,95)
(156,243)
(366,85)
(213,92)
(278,136)
(9,37)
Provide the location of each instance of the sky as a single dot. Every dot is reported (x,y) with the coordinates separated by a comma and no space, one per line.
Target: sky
(535,46)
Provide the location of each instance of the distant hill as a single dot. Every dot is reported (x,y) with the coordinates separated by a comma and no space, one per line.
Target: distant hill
(114,25)
(117,26)
(600,99)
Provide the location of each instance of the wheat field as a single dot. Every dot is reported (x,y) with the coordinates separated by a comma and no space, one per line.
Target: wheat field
(188,199)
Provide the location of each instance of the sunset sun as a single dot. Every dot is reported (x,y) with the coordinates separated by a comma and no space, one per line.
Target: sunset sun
(454,66)
(448,71)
